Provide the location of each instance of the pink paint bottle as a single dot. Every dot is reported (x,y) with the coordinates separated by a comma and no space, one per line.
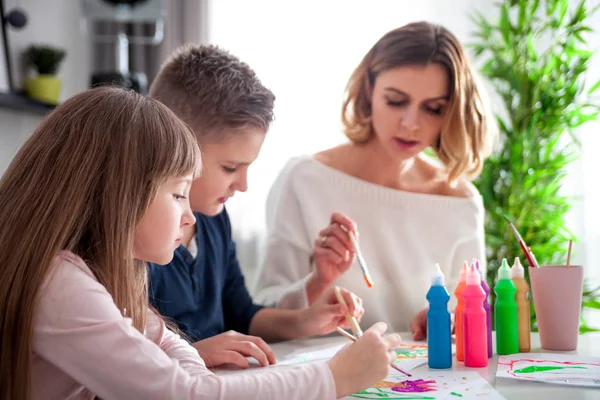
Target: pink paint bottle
(459,311)
(487,307)
(475,322)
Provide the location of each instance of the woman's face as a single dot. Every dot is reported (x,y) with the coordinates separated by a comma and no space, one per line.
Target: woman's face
(408,105)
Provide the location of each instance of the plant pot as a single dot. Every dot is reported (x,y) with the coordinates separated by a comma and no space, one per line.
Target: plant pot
(45,88)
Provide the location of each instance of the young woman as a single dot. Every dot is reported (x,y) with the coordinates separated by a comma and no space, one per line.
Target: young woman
(414,90)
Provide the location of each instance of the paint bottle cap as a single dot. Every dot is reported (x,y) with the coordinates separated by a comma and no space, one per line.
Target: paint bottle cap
(517,270)
(437,279)
(473,277)
(462,276)
(478,268)
(504,270)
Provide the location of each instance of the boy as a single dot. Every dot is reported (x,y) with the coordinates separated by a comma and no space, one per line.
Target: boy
(203,288)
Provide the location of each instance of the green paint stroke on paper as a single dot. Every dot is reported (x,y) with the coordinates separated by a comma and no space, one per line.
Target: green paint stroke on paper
(542,368)
(456,394)
(386,396)
(381,394)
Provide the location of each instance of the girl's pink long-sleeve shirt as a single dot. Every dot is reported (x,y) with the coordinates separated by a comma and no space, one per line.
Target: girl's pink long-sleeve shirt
(83,346)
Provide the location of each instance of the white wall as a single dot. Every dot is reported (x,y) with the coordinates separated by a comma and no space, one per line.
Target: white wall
(55,22)
(583,179)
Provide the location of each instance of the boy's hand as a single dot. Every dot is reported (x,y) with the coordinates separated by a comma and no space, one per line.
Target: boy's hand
(232,348)
(326,314)
(418,325)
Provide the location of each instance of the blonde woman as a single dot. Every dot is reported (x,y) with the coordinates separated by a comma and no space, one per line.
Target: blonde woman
(101,187)
(415,89)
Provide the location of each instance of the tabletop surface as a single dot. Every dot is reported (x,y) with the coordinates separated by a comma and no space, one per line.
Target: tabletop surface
(588,345)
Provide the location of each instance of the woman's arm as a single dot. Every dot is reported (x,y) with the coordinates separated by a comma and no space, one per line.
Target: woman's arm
(301,265)
(322,317)
(281,278)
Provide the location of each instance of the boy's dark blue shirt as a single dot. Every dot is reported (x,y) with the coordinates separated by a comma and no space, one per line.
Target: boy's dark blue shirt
(207,295)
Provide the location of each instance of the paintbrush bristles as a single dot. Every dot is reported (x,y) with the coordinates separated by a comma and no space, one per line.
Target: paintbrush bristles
(399,369)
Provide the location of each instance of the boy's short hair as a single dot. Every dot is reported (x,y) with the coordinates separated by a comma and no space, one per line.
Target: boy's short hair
(213,91)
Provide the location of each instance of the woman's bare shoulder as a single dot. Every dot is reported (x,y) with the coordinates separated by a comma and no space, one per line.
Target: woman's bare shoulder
(433,171)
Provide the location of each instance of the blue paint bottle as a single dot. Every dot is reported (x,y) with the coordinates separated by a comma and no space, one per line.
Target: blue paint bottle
(439,334)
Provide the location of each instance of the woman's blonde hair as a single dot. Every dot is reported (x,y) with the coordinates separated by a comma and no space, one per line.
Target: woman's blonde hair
(82,183)
(466,136)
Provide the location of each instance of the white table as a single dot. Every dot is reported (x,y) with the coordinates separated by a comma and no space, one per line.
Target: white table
(589,345)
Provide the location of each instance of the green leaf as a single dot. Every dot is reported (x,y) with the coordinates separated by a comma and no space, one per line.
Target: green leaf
(594,88)
(505,25)
(593,304)
(580,38)
(563,5)
(44,59)
(587,329)
(534,8)
(522,14)
(584,29)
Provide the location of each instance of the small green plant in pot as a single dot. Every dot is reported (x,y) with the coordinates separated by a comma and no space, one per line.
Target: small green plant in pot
(45,60)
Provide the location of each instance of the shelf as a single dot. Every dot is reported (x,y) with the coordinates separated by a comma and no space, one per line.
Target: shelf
(19,102)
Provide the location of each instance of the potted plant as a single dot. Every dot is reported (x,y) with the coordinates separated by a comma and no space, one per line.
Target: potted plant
(536,57)
(45,60)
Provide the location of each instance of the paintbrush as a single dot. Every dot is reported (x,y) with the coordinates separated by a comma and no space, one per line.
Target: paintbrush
(569,253)
(354,339)
(528,254)
(533,255)
(351,320)
(346,334)
(361,260)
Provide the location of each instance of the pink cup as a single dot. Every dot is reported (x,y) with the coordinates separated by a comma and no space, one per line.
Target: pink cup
(557,292)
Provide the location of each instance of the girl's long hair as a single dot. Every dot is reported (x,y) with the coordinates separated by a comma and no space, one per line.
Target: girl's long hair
(82,183)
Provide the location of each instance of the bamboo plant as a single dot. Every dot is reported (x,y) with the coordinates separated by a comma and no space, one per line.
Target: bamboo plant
(536,57)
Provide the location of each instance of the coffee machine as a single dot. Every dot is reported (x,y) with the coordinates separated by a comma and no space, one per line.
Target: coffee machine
(120,15)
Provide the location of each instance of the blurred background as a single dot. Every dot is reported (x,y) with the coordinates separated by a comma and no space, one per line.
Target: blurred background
(304,51)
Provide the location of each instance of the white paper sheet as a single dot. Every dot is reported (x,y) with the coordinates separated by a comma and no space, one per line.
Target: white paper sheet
(552,368)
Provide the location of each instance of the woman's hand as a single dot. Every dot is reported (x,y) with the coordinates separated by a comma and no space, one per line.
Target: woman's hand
(333,254)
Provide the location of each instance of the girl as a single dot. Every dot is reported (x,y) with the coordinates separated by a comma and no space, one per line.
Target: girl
(415,89)
(100,187)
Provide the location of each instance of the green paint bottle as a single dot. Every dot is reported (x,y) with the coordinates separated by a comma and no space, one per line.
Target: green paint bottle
(505,313)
